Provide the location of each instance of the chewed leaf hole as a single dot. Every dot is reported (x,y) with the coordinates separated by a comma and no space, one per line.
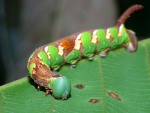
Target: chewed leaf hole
(94,100)
(79,86)
(114,95)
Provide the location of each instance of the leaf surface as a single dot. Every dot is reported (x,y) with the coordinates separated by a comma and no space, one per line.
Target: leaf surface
(119,83)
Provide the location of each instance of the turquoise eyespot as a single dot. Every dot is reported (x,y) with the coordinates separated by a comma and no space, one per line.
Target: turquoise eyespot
(61,88)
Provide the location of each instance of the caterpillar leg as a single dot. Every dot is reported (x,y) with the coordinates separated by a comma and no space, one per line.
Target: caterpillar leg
(103,53)
(38,87)
(72,65)
(48,91)
(90,58)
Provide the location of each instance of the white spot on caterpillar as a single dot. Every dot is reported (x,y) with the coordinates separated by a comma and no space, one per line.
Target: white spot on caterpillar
(39,56)
(60,50)
(131,47)
(108,33)
(77,42)
(46,49)
(47,52)
(120,30)
(94,37)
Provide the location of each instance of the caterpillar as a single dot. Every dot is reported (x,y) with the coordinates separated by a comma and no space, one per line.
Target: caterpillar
(46,59)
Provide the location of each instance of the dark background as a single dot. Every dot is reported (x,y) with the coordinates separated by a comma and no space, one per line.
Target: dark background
(28,24)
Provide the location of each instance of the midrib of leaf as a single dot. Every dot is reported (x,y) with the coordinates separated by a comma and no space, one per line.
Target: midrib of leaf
(103,86)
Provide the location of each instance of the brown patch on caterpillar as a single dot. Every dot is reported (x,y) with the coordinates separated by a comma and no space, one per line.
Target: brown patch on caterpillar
(67,44)
(114,95)
(42,75)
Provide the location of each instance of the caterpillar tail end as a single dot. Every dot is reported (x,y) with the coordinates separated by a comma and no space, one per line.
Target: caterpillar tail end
(61,88)
(132,46)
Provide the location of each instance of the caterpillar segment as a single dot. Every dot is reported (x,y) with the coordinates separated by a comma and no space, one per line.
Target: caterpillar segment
(44,60)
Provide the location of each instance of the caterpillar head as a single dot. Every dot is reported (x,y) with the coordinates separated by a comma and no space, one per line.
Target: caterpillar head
(61,88)
(132,46)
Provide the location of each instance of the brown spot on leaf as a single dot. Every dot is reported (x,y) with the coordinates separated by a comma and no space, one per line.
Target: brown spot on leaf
(94,100)
(114,95)
(79,86)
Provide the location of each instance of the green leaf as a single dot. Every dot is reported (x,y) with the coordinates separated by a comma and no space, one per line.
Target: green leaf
(119,83)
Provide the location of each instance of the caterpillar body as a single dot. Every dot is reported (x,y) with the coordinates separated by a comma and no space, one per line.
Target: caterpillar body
(44,60)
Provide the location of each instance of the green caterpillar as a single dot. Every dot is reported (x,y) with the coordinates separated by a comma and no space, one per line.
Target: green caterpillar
(50,57)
